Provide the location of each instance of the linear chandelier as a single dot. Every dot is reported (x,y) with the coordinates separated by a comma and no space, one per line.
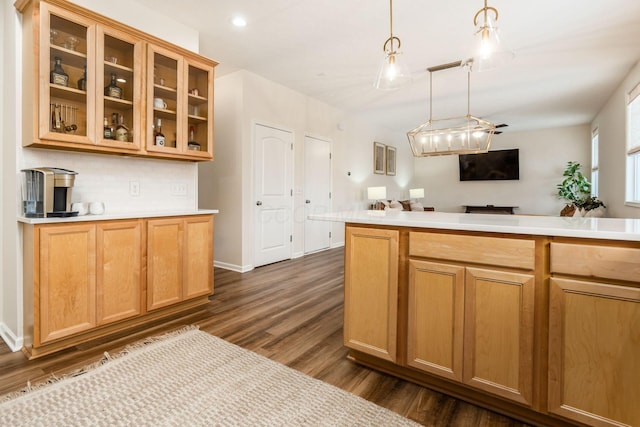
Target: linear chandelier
(458,135)
(393,73)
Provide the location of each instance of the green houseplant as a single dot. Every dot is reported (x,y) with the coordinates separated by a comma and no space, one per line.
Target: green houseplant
(575,188)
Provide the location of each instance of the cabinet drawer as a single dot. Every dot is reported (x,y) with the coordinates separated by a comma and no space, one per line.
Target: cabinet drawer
(499,251)
(606,262)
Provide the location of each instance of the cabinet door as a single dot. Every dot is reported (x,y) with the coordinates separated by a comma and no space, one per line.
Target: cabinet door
(164,262)
(198,256)
(165,100)
(436,316)
(65,111)
(65,285)
(199,129)
(118,276)
(121,55)
(371,291)
(498,333)
(594,348)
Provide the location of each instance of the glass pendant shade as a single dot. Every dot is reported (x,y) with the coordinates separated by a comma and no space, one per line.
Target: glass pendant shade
(393,72)
(490,52)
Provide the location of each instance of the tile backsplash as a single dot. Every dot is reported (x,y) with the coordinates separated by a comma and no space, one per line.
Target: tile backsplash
(164,185)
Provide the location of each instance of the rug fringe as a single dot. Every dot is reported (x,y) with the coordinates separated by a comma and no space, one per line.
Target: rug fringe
(106,357)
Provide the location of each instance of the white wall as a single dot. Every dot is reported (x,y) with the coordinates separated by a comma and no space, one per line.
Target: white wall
(543,157)
(611,124)
(101,177)
(243,99)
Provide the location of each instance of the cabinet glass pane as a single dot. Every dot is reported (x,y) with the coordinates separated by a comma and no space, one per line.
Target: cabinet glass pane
(165,98)
(118,94)
(67,83)
(198,109)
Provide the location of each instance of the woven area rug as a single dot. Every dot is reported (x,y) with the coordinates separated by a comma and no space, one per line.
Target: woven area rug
(190,378)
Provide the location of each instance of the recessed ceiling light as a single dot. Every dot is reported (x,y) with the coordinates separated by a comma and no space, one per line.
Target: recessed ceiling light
(239,21)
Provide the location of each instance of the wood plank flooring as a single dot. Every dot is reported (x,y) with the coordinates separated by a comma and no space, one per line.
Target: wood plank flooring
(290,312)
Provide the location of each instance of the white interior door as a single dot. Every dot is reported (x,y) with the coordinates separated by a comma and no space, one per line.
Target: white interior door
(317,193)
(273,195)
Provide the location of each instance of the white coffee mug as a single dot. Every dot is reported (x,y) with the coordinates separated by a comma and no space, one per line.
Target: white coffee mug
(80,207)
(96,208)
(159,103)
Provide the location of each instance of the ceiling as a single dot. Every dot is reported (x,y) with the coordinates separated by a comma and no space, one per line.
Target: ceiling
(570,54)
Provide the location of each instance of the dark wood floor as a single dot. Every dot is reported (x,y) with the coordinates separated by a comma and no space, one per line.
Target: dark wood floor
(290,312)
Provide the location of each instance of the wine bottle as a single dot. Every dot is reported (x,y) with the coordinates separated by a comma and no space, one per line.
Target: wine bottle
(58,76)
(82,82)
(122,132)
(158,137)
(113,90)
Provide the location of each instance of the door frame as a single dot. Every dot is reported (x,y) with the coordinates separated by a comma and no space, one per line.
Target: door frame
(252,193)
(304,184)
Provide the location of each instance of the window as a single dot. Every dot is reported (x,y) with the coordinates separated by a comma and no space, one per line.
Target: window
(594,163)
(633,147)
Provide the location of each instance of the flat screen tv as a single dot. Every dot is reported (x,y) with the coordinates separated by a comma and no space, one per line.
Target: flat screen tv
(489,166)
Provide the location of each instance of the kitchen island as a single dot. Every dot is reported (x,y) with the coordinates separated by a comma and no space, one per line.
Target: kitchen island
(535,317)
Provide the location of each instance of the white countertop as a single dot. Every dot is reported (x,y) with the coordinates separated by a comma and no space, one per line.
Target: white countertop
(590,228)
(114,216)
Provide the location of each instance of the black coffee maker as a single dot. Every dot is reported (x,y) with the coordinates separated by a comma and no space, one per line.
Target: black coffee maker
(46,192)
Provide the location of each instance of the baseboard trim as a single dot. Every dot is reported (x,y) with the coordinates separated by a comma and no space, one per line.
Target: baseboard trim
(232,267)
(15,343)
(337,245)
(297,255)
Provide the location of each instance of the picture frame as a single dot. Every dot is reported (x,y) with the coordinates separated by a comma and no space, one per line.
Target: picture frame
(379,158)
(391,160)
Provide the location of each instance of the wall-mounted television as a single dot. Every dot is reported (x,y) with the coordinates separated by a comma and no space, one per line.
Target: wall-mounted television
(489,166)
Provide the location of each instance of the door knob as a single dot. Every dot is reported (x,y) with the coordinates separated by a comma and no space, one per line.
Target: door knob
(307,201)
(259,203)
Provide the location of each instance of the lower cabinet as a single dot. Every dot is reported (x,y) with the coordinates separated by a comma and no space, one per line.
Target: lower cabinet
(179,253)
(371,291)
(82,277)
(594,352)
(473,326)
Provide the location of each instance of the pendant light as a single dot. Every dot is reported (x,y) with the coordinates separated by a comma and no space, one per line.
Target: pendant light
(393,72)
(458,135)
(491,51)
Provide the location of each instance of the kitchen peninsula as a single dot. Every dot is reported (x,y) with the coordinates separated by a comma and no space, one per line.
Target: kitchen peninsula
(535,317)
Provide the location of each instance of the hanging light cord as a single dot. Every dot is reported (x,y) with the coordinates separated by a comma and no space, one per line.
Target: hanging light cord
(391,36)
(484,11)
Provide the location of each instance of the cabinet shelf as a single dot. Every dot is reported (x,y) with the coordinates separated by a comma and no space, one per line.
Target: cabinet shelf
(117,103)
(197,119)
(164,114)
(197,100)
(164,91)
(69,57)
(66,92)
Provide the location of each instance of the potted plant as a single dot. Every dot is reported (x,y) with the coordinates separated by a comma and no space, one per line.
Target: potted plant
(575,188)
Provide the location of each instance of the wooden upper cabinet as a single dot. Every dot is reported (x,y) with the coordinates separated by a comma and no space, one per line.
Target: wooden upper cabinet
(71,109)
(120,56)
(65,105)
(180,98)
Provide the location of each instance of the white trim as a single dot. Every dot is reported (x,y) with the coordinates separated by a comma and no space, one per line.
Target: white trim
(297,255)
(633,93)
(337,245)
(15,343)
(632,204)
(233,267)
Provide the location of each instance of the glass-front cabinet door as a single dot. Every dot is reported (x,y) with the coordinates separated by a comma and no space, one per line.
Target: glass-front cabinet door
(199,129)
(66,86)
(165,89)
(119,89)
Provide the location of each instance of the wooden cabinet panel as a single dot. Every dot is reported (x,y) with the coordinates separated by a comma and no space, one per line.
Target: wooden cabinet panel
(498,333)
(164,262)
(436,316)
(119,270)
(198,256)
(67,286)
(371,291)
(594,343)
(605,262)
(499,251)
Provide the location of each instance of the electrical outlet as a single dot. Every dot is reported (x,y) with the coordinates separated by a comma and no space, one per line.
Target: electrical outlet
(178,189)
(134,188)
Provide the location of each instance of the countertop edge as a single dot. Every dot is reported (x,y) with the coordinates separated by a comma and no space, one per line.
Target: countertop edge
(622,229)
(115,216)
